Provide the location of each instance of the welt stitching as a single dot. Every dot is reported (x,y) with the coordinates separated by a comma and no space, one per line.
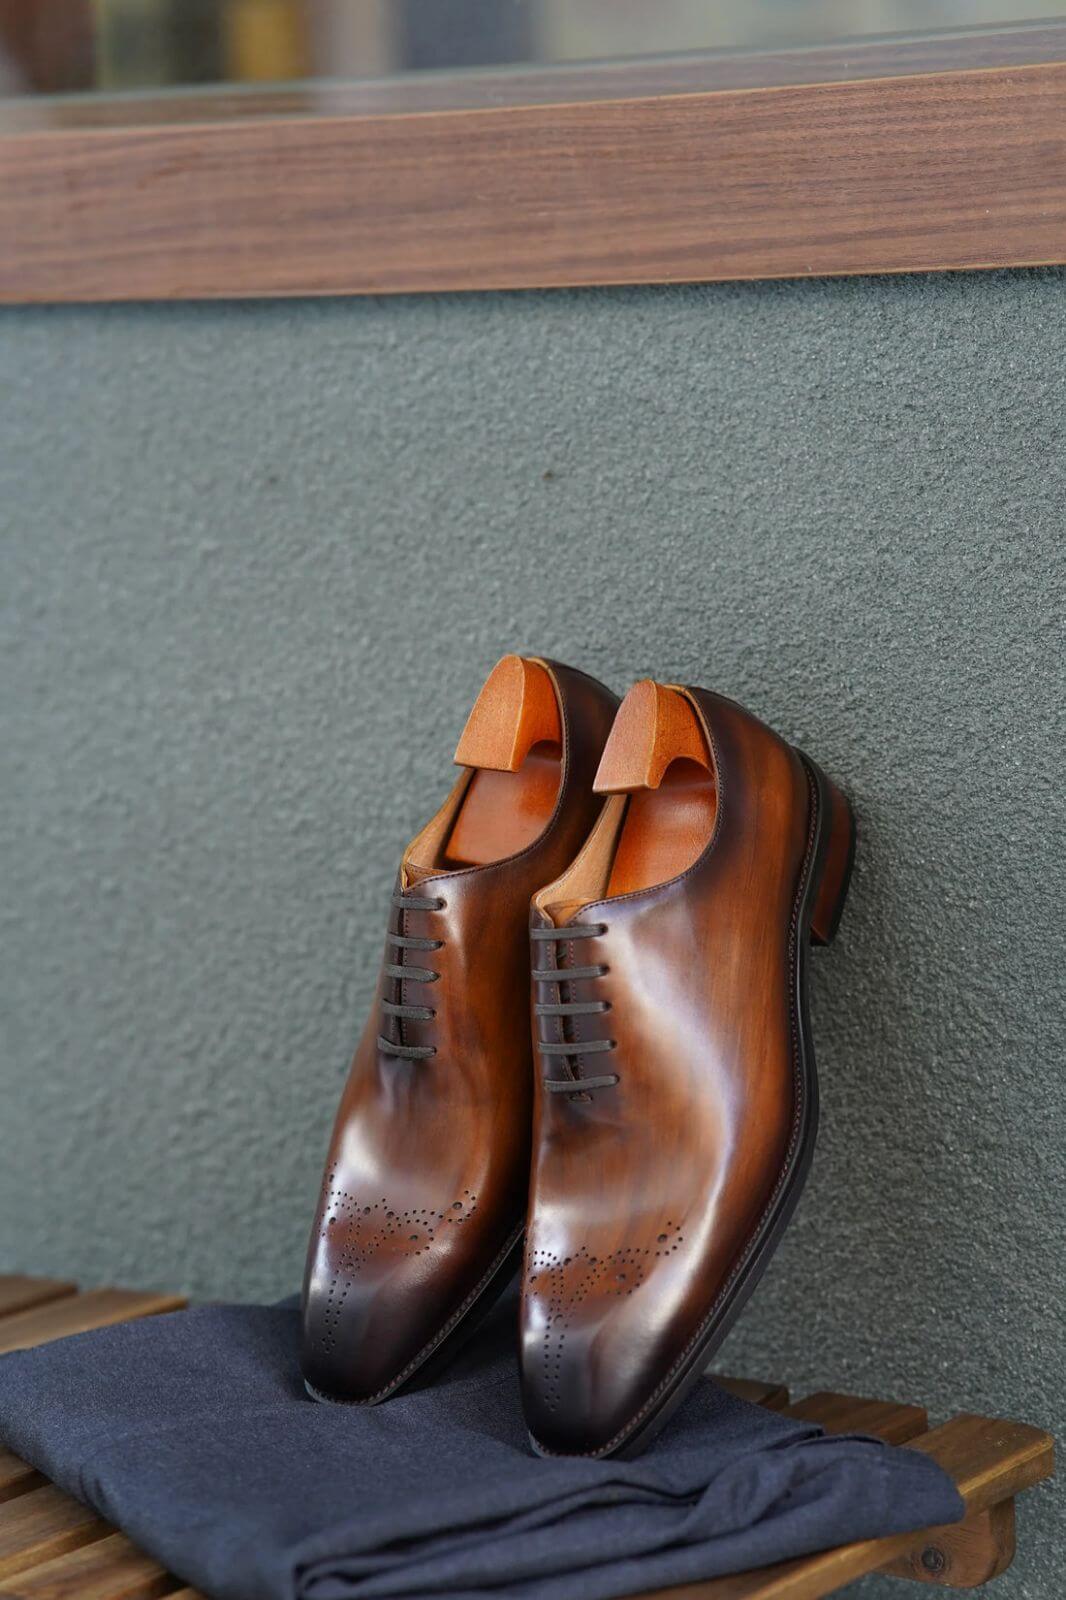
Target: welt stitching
(797,1117)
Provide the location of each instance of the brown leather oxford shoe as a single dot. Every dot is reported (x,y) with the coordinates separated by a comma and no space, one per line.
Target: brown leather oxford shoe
(424,1198)
(676,1112)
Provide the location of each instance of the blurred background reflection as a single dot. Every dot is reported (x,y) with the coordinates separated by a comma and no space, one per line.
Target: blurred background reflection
(61,46)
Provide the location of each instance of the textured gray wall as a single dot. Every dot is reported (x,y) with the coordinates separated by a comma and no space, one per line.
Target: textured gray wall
(255,562)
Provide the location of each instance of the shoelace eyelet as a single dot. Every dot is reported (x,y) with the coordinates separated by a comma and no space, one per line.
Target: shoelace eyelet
(569,1049)
(401,973)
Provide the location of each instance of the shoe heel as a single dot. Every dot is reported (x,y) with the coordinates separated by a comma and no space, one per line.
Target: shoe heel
(836,867)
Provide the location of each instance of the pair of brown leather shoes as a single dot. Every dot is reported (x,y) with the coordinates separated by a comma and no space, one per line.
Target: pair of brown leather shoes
(654,1157)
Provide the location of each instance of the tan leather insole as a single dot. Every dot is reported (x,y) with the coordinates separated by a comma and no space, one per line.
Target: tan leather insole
(665,829)
(503,812)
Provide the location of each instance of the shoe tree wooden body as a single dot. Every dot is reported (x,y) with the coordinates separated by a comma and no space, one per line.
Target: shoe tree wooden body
(516,710)
(657,754)
(512,748)
(657,770)
(655,726)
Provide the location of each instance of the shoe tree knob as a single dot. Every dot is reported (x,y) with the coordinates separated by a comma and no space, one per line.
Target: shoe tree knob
(515,710)
(654,726)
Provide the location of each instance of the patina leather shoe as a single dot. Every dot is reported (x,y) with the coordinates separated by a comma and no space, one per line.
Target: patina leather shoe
(424,1198)
(676,1110)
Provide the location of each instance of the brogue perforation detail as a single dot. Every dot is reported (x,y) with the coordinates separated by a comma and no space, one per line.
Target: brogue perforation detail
(565,1282)
(364,1229)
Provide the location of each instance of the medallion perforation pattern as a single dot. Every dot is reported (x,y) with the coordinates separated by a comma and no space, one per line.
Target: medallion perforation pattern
(564,1283)
(360,1229)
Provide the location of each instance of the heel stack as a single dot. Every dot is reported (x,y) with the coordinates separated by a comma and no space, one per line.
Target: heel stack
(836,867)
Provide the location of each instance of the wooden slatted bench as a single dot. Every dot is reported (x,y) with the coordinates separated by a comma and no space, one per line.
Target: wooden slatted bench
(53,1548)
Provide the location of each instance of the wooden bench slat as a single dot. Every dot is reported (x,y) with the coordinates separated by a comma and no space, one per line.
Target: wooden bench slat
(989,1460)
(963,1554)
(847,1413)
(774,1396)
(43,1524)
(98,1308)
(15,1476)
(19,1293)
(109,1569)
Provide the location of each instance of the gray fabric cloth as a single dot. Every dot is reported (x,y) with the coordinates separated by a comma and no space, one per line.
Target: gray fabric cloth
(193,1433)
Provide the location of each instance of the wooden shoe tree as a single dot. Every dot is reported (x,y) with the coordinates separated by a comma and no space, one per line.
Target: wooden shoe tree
(657,769)
(512,746)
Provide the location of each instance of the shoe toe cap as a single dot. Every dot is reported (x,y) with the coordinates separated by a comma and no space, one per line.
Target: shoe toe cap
(375,1305)
(586,1378)
(360,1332)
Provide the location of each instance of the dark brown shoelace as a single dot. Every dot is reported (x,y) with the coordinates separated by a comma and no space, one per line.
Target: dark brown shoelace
(560,975)
(410,974)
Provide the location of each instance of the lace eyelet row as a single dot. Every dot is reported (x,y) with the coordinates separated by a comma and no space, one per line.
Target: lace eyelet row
(402,973)
(571,1049)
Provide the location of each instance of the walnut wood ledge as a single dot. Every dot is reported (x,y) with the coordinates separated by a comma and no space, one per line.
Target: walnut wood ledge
(902,173)
(54,1548)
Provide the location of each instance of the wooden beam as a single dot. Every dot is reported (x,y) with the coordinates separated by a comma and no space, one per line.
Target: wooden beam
(109,1569)
(948,169)
(848,1413)
(18,1293)
(97,1308)
(961,1555)
(42,1525)
(16,1477)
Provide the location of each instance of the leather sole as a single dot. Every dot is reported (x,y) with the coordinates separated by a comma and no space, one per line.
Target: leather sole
(821,895)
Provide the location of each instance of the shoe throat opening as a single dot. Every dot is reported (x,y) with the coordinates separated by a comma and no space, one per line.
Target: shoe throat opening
(512,753)
(660,813)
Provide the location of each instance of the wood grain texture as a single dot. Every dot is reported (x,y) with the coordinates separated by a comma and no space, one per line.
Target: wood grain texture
(19,1293)
(109,1569)
(16,1477)
(846,1413)
(962,1555)
(42,1525)
(988,1458)
(942,170)
(98,1308)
